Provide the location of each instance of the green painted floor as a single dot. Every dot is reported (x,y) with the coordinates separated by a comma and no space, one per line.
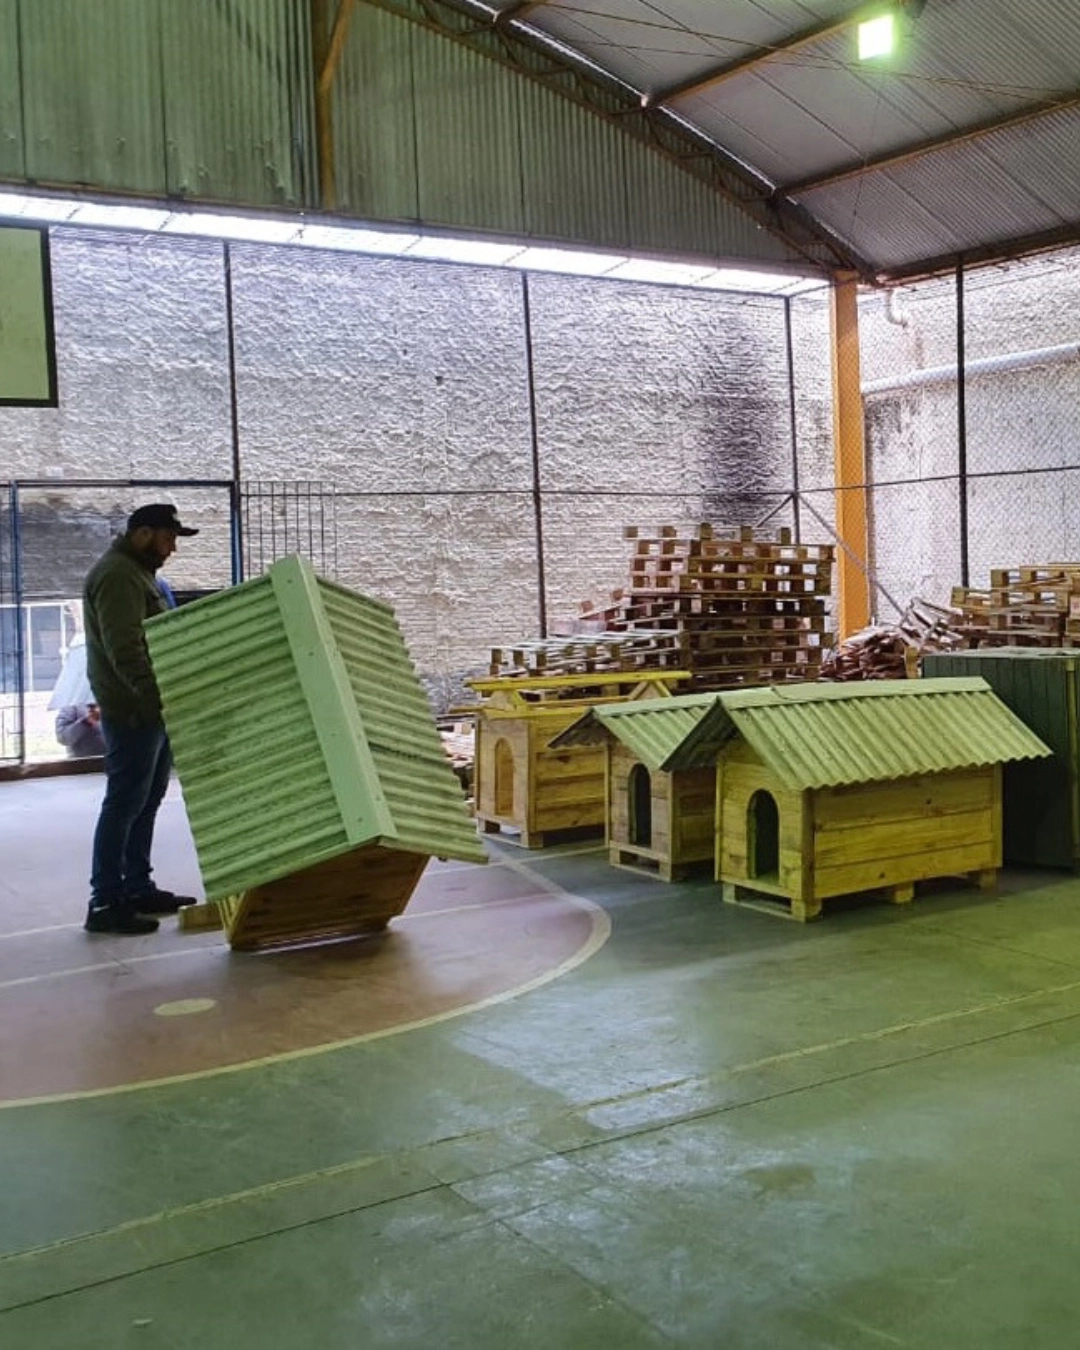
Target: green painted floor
(723,1130)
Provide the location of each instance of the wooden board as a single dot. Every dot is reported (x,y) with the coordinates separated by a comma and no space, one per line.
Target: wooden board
(355,894)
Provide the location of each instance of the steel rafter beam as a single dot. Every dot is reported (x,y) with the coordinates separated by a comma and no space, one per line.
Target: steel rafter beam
(537,56)
(919,149)
(757,56)
(1007,250)
(518,10)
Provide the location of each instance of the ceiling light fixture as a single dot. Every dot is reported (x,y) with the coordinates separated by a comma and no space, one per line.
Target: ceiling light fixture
(877,37)
(879,34)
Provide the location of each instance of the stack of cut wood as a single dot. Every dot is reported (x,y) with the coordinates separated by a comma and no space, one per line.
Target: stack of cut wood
(892,651)
(742,610)
(459,742)
(1022,607)
(597,653)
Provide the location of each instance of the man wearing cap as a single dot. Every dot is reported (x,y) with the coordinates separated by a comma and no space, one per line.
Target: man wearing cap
(120,592)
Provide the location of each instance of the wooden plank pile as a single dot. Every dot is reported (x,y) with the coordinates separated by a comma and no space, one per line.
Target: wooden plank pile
(1033,606)
(459,742)
(892,651)
(743,610)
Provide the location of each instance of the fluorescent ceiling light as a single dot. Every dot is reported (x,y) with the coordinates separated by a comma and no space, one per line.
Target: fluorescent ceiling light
(476,251)
(567,260)
(249,229)
(671,274)
(354,241)
(764,283)
(295,232)
(877,37)
(37,208)
(119,217)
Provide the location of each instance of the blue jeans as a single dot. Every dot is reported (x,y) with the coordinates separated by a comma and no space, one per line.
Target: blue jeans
(137,764)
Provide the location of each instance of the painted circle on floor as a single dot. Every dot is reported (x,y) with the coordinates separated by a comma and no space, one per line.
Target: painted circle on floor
(81,1014)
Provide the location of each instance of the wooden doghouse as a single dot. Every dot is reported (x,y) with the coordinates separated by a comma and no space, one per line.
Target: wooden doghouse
(315,781)
(826,790)
(657,820)
(523,783)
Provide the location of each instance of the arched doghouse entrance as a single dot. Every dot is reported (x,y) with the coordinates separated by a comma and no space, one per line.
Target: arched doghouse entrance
(639,791)
(763,835)
(504,779)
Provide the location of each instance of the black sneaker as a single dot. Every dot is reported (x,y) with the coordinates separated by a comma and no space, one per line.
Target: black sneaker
(160,902)
(109,919)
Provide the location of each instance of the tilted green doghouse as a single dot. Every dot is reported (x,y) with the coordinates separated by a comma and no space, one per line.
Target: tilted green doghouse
(315,780)
(657,820)
(826,790)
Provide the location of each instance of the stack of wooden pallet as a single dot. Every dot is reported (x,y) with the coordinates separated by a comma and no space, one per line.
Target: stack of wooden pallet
(1035,606)
(744,610)
(598,653)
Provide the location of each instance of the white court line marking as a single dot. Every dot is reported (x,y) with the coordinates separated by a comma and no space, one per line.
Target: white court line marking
(120,966)
(61,927)
(599,932)
(122,962)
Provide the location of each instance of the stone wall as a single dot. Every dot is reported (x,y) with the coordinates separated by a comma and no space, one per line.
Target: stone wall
(405,387)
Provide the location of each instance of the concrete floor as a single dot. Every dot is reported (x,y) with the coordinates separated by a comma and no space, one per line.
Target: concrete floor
(720,1130)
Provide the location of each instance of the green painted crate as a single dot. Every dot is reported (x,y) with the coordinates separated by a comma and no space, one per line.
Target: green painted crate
(1041,797)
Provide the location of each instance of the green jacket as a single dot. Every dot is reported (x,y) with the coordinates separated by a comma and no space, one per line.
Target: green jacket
(121,592)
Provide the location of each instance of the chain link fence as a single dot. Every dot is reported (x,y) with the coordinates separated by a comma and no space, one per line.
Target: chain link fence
(971,386)
(469,444)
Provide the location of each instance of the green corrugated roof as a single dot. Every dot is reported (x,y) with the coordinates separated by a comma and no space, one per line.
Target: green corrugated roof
(827,735)
(300,731)
(652,729)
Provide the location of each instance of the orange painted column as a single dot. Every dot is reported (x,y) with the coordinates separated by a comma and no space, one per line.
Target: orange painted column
(849,447)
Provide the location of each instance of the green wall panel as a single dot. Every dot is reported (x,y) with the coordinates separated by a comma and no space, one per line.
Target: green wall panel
(375,121)
(1042,797)
(237,93)
(11,128)
(92,93)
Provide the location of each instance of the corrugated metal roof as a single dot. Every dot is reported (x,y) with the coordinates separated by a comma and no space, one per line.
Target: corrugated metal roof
(651,729)
(300,731)
(744,130)
(1008,185)
(785,94)
(814,736)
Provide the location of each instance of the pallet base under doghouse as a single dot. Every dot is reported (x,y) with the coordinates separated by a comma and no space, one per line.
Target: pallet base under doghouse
(353,895)
(646,861)
(805,911)
(514,833)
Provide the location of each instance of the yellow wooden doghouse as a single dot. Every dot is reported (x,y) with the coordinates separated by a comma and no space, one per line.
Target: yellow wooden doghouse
(523,783)
(658,820)
(825,790)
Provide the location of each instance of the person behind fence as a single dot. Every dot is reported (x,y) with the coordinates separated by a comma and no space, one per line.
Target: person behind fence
(78,719)
(120,593)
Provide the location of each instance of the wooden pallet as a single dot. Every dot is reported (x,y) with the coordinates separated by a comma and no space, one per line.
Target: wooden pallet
(652,863)
(770,901)
(597,653)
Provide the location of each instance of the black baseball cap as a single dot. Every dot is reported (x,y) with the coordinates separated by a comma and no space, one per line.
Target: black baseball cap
(158,516)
